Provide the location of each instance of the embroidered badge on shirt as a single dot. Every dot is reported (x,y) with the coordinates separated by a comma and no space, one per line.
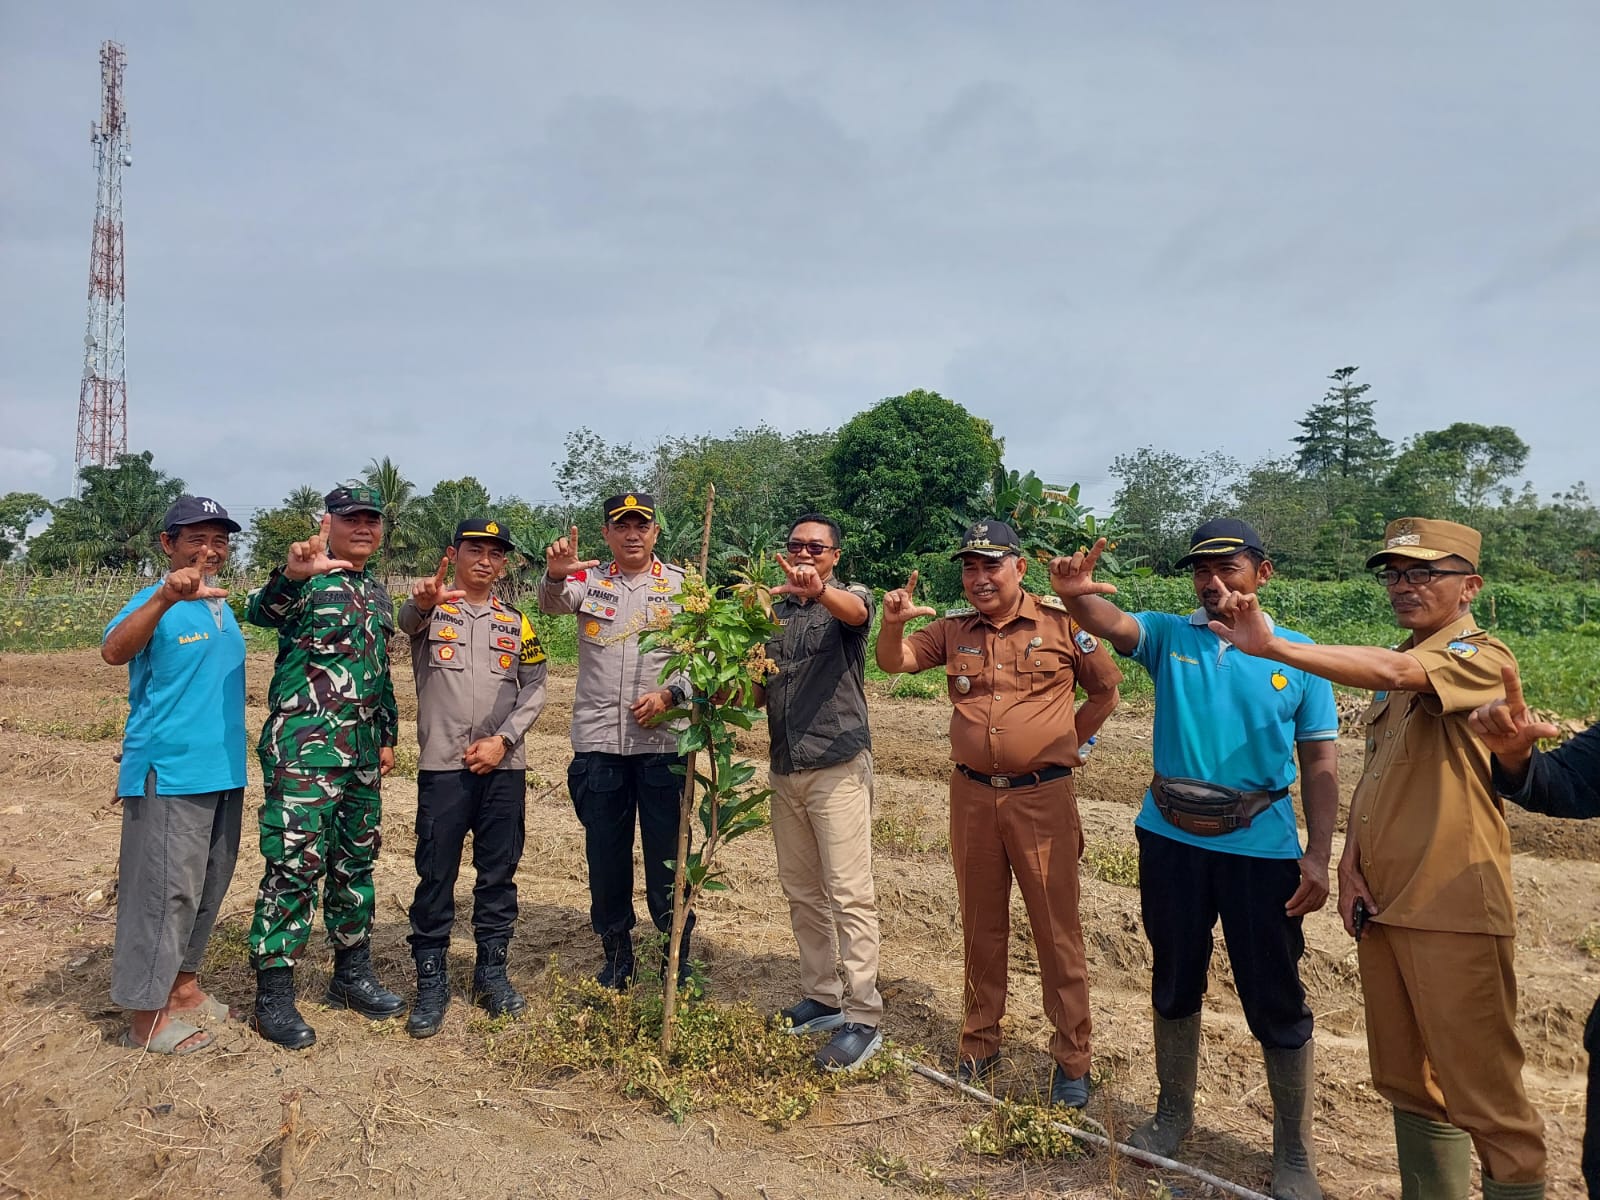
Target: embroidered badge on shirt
(1462,649)
(592,629)
(505,662)
(449,608)
(1184,658)
(447,634)
(446,653)
(505,641)
(1086,641)
(599,608)
(1279,680)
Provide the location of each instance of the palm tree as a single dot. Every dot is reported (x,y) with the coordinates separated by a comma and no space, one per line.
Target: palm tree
(115,522)
(398,494)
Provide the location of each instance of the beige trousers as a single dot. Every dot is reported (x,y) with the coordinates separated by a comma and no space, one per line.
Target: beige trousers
(822,828)
(1442,1037)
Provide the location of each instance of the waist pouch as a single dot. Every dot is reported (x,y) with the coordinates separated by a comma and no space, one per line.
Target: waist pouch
(1209,809)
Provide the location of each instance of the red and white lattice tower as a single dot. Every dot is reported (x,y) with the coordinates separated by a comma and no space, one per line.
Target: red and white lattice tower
(103,399)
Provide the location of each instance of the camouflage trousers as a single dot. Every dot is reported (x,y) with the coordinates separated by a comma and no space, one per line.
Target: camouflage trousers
(317,825)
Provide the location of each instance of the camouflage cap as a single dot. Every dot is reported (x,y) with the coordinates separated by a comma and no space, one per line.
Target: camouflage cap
(350,498)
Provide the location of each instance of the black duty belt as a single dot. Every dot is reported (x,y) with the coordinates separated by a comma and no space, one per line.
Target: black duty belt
(1016,781)
(1209,809)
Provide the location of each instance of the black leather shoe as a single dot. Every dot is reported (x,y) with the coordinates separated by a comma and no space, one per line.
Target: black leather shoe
(811,1016)
(275,1017)
(1074,1093)
(618,971)
(433,995)
(491,989)
(978,1072)
(355,986)
(850,1047)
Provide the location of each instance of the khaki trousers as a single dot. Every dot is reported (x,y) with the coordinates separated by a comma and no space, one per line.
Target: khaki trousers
(1035,834)
(1441,1034)
(822,829)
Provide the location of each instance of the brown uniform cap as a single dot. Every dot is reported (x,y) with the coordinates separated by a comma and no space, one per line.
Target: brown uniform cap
(1427,540)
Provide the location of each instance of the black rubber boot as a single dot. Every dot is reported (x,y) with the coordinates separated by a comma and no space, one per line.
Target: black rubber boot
(355,986)
(1178,1070)
(275,1017)
(618,971)
(490,987)
(433,995)
(1291,1082)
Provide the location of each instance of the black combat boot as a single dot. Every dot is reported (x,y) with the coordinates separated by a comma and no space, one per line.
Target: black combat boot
(275,1017)
(433,995)
(355,986)
(490,987)
(618,970)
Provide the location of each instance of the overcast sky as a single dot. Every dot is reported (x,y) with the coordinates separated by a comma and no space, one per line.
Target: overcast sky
(452,233)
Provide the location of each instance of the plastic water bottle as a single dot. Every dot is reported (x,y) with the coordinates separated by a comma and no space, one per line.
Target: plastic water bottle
(1083,750)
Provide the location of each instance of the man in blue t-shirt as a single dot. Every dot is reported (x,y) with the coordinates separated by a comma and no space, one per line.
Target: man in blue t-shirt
(1217,833)
(181,783)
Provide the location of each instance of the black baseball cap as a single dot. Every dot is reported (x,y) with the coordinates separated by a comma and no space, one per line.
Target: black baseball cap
(992,539)
(642,503)
(1222,537)
(482,529)
(197,510)
(353,498)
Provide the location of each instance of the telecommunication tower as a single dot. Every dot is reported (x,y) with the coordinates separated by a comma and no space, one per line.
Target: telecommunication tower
(103,398)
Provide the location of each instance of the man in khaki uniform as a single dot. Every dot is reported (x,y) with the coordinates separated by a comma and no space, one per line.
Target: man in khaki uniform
(1013,663)
(621,771)
(480,675)
(1427,856)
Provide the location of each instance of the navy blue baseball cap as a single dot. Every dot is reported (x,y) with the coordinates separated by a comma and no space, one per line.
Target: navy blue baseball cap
(197,510)
(1220,538)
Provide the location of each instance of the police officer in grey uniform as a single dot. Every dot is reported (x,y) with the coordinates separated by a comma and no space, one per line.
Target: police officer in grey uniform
(623,753)
(480,675)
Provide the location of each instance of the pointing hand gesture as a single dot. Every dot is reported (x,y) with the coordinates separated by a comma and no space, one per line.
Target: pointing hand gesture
(561,557)
(1074,576)
(429,593)
(1243,623)
(1506,726)
(899,607)
(189,583)
(310,557)
(802,580)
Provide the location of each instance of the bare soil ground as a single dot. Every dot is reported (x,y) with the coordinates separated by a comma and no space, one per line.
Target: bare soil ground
(382,1114)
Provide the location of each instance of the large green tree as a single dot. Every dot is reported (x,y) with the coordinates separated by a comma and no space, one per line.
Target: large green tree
(1163,496)
(274,530)
(900,471)
(114,521)
(1340,437)
(18,510)
(1454,472)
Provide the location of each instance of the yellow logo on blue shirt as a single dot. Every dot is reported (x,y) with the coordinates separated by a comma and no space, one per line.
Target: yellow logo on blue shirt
(185,639)
(1184,658)
(1279,680)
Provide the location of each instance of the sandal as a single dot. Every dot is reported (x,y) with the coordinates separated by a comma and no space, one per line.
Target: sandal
(169,1038)
(209,1009)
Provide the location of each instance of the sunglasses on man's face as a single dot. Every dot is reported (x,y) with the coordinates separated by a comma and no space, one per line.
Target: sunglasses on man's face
(811,548)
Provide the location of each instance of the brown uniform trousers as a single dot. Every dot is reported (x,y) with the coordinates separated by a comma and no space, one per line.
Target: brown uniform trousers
(1436,963)
(1013,689)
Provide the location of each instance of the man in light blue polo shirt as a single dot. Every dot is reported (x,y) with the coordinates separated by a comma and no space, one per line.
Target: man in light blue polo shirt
(181,783)
(1217,834)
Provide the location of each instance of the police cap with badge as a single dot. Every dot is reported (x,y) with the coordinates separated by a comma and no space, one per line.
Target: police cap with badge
(991,539)
(1221,538)
(642,503)
(197,510)
(350,498)
(482,529)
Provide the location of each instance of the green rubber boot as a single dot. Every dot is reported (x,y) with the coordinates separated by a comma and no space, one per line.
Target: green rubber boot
(1435,1159)
(1177,1069)
(1512,1191)
(1292,1082)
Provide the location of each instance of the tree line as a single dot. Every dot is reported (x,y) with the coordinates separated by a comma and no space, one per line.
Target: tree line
(903,478)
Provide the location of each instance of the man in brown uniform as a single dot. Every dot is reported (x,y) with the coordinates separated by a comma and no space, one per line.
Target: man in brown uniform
(1013,663)
(1427,860)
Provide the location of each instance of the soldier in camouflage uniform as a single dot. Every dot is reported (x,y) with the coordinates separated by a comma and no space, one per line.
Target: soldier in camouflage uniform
(328,740)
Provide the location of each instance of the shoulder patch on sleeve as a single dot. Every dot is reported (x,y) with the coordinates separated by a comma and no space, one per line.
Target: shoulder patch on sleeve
(1086,641)
(532,650)
(1462,649)
(859,589)
(1051,601)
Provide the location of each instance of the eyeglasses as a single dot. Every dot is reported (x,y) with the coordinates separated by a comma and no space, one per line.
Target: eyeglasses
(1416,576)
(811,548)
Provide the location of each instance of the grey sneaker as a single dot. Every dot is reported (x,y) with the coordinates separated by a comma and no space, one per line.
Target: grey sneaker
(811,1016)
(851,1046)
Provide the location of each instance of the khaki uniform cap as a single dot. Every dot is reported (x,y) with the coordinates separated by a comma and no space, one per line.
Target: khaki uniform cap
(1427,540)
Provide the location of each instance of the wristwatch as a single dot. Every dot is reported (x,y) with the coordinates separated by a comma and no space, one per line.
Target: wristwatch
(675,690)
(509,744)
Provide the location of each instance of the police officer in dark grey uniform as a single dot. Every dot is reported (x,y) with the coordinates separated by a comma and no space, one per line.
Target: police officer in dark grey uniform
(480,675)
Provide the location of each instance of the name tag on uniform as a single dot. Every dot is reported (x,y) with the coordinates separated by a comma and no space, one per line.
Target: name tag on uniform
(969,650)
